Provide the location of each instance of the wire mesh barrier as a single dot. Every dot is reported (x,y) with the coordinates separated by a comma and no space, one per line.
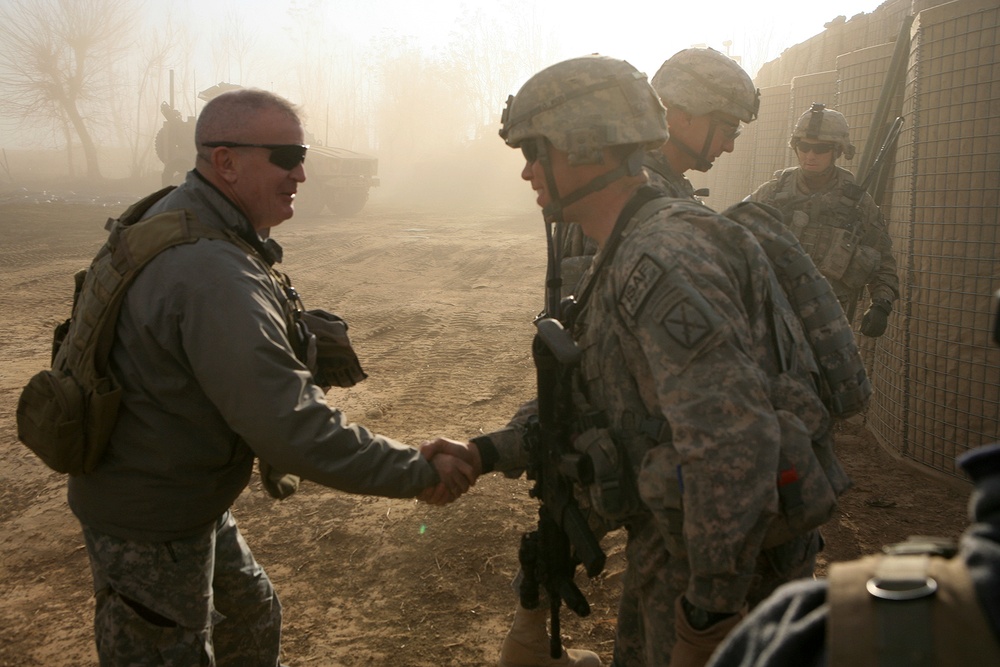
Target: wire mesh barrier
(935,372)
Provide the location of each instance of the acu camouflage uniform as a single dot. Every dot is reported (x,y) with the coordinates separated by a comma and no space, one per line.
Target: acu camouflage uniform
(577,249)
(241,626)
(696,367)
(665,179)
(817,218)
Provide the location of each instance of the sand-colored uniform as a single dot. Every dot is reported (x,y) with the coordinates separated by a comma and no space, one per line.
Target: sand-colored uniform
(819,220)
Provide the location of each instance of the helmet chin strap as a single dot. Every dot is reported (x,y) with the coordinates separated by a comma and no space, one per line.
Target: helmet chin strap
(553,213)
(632,166)
(701,161)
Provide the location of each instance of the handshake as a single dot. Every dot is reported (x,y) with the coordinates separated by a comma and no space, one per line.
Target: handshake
(458,464)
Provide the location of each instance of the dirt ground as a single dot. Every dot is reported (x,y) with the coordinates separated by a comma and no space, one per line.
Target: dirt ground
(440,309)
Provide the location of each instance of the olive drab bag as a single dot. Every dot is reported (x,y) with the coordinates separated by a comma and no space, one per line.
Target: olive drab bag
(65,414)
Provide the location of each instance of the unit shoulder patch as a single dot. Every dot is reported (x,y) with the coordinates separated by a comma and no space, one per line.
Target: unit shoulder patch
(686,323)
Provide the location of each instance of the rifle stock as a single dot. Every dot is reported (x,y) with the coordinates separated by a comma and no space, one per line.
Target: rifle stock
(563,539)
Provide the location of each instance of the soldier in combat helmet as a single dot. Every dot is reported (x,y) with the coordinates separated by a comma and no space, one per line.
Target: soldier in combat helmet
(683,373)
(837,222)
(707,96)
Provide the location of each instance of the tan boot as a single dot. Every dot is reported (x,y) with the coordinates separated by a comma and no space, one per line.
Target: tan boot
(527,644)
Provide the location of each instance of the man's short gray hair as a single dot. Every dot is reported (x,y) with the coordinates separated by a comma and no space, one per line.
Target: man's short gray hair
(226,117)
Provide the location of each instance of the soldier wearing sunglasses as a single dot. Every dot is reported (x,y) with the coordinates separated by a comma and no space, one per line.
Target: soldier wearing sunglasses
(208,352)
(837,222)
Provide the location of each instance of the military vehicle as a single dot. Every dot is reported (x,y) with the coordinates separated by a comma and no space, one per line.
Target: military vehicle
(337,179)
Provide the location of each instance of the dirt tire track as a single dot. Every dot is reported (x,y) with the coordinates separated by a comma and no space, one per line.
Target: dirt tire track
(440,310)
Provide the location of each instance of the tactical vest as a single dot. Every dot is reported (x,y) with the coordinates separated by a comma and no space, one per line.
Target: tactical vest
(66,414)
(831,231)
(808,491)
(915,606)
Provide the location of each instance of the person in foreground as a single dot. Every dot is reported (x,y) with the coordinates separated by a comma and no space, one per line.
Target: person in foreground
(686,391)
(835,219)
(204,353)
(921,603)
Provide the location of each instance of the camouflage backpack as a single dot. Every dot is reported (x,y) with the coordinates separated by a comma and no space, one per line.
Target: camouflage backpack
(845,384)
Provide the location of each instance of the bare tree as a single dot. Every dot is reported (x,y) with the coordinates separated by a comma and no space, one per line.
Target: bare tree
(139,88)
(234,48)
(490,62)
(49,69)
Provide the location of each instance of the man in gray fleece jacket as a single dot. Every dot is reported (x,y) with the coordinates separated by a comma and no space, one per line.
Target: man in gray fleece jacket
(210,380)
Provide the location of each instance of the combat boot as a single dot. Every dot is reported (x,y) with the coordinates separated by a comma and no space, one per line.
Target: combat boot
(527,644)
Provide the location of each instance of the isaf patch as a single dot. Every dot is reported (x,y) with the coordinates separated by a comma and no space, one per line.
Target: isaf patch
(640,283)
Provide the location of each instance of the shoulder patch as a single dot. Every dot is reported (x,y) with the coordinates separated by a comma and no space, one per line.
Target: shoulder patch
(686,323)
(644,277)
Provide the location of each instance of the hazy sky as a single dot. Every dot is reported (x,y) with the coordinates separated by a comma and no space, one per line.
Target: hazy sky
(644,32)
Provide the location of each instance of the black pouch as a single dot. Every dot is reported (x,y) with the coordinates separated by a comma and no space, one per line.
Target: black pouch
(336,363)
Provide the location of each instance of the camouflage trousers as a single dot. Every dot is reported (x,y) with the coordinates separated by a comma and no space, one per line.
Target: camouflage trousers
(653,582)
(202,601)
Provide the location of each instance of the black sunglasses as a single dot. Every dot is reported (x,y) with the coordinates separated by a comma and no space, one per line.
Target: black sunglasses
(731,130)
(818,149)
(286,156)
(529,148)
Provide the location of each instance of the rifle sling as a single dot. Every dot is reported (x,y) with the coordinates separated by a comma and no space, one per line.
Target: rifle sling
(643,196)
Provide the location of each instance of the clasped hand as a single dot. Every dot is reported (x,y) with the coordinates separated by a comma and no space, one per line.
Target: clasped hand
(457,464)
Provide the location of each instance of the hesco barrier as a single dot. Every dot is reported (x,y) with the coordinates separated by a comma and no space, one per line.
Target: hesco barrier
(935,372)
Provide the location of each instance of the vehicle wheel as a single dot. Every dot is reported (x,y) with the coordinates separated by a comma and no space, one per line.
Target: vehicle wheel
(344,203)
(160,145)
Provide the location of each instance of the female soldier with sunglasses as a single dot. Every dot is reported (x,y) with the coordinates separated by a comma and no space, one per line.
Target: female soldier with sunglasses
(837,222)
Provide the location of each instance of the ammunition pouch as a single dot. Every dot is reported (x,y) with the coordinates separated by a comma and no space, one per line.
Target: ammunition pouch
(798,221)
(279,485)
(806,497)
(848,262)
(325,349)
(320,342)
(612,493)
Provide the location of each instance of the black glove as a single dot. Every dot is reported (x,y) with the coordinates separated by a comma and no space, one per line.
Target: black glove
(876,317)
(336,363)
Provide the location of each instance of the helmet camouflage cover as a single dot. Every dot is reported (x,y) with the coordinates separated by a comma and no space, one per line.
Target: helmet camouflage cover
(822,124)
(583,105)
(702,80)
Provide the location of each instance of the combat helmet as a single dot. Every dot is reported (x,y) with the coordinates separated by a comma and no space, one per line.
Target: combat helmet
(701,81)
(583,105)
(826,125)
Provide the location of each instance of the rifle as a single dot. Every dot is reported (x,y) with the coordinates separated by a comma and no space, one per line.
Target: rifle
(887,145)
(550,554)
(875,172)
